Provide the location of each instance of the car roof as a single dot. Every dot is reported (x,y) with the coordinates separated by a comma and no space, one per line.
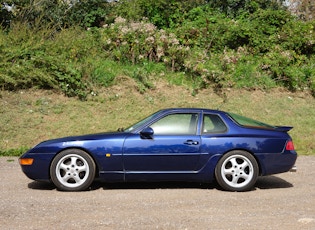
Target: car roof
(192,110)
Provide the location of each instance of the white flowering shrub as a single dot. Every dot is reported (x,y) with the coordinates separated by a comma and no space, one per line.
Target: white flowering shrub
(140,42)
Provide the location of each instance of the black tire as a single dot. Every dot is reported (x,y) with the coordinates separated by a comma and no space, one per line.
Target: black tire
(72,170)
(237,171)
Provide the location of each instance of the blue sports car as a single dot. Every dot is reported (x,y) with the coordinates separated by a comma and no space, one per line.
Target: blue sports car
(179,144)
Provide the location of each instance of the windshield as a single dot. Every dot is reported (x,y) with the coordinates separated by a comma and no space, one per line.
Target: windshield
(140,123)
(247,122)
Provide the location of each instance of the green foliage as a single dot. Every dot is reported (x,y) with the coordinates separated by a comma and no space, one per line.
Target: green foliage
(104,73)
(40,59)
(244,7)
(142,42)
(13,152)
(312,85)
(88,13)
(219,44)
(285,68)
(247,74)
(145,74)
(22,61)
(162,13)
(60,14)
(35,13)
(262,28)
(299,36)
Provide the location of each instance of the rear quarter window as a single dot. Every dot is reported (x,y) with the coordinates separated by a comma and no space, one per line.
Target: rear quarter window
(213,124)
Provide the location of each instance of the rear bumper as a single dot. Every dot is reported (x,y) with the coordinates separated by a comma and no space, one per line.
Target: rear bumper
(273,163)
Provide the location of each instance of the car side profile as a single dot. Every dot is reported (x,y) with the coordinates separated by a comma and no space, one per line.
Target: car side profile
(178,144)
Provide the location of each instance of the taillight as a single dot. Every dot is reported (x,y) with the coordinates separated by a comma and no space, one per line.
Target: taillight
(289,146)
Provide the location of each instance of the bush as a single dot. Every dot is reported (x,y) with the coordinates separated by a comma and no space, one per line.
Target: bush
(163,14)
(261,48)
(60,14)
(22,57)
(45,60)
(142,42)
(298,36)
(239,8)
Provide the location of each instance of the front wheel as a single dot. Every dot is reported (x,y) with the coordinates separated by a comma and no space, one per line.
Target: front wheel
(237,171)
(72,170)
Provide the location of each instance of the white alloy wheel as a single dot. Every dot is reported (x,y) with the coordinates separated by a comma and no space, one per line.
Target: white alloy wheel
(237,171)
(72,170)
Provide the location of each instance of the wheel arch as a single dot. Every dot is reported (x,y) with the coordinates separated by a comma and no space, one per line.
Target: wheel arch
(250,152)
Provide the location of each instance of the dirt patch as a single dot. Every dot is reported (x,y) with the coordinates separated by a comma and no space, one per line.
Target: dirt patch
(283,201)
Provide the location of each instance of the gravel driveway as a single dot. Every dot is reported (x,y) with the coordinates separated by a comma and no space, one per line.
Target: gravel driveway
(283,201)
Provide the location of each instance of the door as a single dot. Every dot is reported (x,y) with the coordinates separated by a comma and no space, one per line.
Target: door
(173,147)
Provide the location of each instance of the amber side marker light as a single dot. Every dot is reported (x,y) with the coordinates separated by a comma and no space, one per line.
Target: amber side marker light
(26,161)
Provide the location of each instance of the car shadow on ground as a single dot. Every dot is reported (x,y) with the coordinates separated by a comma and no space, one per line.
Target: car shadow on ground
(39,185)
(272,182)
(154,185)
(267,182)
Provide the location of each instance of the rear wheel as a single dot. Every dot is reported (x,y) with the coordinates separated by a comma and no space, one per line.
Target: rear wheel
(72,170)
(237,171)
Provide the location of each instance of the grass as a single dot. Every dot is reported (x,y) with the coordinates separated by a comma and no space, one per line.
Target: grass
(31,116)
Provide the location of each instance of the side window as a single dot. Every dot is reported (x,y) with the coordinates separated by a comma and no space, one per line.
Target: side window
(176,124)
(213,124)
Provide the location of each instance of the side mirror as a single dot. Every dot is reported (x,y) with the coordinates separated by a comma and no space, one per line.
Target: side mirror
(147,133)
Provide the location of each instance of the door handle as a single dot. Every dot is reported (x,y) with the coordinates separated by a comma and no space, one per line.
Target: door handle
(191,142)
